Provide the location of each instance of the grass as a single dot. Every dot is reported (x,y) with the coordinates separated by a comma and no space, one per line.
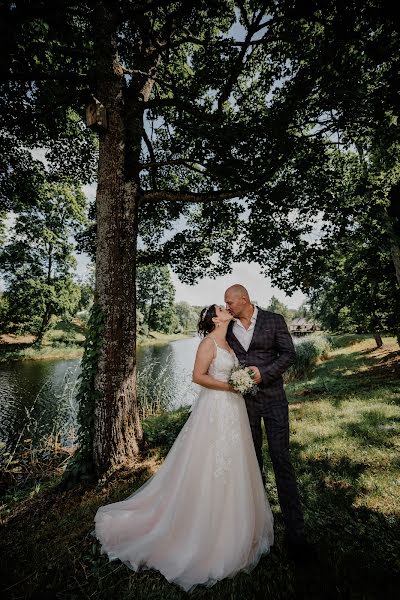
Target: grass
(156,337)
(345,440)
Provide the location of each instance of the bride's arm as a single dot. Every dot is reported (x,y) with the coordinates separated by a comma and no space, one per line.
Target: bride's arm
(204,356)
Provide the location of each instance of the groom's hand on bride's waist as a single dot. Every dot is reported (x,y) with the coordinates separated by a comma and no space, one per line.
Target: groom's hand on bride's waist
(258,378)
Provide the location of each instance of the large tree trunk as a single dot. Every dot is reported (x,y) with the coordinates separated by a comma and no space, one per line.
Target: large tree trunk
(395,251)
(117,428)
(394,228)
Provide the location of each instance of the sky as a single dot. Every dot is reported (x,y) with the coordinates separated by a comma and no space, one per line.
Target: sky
(208,291)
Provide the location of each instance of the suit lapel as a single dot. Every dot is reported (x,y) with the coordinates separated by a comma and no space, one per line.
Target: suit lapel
(256,331)
(257,327)
(233,338)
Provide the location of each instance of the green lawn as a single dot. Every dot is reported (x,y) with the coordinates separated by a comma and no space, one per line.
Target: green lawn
(345,441)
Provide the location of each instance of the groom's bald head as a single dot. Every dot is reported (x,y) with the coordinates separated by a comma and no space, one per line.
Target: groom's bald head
(238,290)
(237,299)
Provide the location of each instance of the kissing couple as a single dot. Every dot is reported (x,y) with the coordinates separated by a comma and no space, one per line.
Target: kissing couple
(204,515)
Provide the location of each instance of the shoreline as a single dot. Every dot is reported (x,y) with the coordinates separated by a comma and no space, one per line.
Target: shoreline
(12,352)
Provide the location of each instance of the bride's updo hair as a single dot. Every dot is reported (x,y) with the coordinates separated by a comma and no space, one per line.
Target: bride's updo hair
(206,324)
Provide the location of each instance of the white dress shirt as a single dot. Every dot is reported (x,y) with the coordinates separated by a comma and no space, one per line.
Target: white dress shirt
(243,335)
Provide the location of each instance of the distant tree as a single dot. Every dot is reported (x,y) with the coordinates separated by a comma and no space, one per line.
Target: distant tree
(357,291)
(86,297)
(142,327)
(188,316)
(37,260)
(279,307)
(4,310)
(304,311)
(155,298)
(87,287)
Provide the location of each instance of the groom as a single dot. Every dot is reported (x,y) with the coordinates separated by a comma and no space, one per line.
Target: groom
(261,340)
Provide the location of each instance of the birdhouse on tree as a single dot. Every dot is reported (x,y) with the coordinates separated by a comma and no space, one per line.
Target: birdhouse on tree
(96,116)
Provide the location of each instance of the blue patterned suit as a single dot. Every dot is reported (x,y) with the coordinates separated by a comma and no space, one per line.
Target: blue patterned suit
(272,351)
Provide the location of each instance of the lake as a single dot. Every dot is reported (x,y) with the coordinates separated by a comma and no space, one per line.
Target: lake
(39,395)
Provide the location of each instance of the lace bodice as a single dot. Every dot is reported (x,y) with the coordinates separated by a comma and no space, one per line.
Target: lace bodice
(223,363)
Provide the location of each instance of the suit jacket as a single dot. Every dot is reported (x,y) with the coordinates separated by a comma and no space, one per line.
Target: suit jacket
(272,351)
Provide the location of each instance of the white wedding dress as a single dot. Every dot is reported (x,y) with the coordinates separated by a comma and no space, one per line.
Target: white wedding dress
(203,515)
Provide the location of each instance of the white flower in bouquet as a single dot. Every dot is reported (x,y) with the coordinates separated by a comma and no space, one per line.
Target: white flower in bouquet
(242,379)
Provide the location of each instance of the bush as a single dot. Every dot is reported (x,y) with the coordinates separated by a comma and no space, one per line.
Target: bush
(308,351)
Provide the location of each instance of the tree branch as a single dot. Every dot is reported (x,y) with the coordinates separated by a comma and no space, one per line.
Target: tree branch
(188,197)
(238,66)
(151,5)
(186,163)
(262,25)
(244,14)
(149,145)
(191,109)
(148,75)
(224,43)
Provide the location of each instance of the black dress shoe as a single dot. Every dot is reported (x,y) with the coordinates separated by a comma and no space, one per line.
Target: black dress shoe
(300,550)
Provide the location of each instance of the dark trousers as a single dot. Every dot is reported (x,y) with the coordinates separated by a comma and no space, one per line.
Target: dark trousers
(276,421)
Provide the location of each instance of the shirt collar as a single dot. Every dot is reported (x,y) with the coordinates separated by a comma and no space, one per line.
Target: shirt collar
(253,317)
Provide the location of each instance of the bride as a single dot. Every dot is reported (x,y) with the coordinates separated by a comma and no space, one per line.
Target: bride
(203,515)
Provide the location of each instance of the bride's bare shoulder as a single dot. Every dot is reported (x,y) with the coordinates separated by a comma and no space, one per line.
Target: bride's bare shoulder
(206,345)
(206,342)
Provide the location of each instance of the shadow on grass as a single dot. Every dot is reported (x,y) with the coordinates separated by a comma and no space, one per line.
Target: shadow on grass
(346,340)
(4,347)
(372,428)
(359,547)
(344,374)
(70,327)
(47,547)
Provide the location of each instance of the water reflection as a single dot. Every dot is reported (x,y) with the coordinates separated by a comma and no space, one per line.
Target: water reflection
(32,392)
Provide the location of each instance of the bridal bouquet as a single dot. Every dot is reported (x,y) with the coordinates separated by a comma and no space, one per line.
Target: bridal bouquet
(242,379)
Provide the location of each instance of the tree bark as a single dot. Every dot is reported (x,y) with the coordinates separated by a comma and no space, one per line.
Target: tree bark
(378,340)
(395,252)
(47,313)
(117,428)
(43,326)
(393,217)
